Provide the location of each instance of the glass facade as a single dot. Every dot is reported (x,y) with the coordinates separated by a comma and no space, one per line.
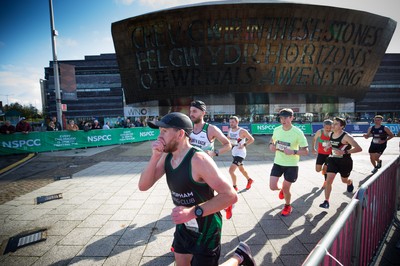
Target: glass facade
(100,95)
(98,89)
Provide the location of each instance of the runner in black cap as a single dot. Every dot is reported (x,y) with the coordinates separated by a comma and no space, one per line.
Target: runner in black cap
(192,177)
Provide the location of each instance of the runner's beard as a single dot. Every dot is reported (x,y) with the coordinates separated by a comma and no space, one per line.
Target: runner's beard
(196,120)
(171,146)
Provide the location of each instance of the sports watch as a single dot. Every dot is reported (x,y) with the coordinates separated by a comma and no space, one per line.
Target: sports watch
(198,211)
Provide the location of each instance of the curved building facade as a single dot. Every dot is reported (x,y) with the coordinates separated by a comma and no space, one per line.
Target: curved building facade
(255,57)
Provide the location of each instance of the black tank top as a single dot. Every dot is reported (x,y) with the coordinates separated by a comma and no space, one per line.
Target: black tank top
(187,192)
(378,133)
(184,190)
(338,145)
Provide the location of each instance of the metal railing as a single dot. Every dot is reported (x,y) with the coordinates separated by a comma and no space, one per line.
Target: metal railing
(356,235)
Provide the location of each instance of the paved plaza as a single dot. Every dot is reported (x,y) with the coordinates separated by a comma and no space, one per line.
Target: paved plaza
(103,219)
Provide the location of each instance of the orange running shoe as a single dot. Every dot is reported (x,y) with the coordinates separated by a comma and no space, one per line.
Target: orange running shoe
(281,195)
(229,212)
(249,182)
(287,210)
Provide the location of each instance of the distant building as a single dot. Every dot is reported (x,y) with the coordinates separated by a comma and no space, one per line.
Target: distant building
(383,97)
(99,94)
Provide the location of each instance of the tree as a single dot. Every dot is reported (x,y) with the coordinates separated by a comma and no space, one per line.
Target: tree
(28,111)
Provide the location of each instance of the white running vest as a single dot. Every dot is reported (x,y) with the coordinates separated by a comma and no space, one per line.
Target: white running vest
(201,140)
(234,138)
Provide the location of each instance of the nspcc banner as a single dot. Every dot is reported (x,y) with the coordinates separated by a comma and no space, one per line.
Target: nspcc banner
(64,140)
(258,129)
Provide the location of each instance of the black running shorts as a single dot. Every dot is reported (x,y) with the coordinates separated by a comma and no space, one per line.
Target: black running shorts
(340,165)
(187,242)
(322,158)
(290,173)
(377,148)
(238,160)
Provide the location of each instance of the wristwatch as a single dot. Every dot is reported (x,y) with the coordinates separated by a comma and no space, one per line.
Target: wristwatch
(198,211)
(216,152)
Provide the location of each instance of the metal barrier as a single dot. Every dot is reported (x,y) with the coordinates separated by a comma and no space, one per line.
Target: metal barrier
(355,236)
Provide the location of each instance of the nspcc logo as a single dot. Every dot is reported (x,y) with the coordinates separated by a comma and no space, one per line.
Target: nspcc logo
(99,138)
(19,144)
(147,134)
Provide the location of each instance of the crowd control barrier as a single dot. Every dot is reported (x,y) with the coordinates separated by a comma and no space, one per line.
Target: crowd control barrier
(65,140)
(357,234)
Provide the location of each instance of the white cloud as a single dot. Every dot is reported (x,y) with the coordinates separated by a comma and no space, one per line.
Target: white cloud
(125,2)
(67,42)
(20,84)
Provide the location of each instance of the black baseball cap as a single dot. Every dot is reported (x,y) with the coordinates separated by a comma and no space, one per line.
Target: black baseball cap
(199,105)
(286,112)
(174,120)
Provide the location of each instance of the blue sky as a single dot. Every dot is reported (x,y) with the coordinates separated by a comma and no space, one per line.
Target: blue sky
(84,28)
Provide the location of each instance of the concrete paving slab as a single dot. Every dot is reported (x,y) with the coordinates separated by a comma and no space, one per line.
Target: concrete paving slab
(104,219)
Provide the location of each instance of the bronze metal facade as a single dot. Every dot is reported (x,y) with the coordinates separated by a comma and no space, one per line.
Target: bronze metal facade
(250,47)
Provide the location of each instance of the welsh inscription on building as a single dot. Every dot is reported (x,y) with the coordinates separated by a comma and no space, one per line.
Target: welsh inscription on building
(250,48)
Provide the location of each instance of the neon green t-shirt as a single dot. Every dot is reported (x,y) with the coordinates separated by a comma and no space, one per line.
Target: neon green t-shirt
(294,139)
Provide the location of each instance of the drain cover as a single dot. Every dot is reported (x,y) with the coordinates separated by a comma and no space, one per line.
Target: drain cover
(25,239)
(62,177)
(43,199)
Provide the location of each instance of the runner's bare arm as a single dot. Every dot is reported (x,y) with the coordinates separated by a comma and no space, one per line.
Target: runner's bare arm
(154,169)
(368,134)
(216,133)
(316,136)
(205,170)
(389,132)
(355,146)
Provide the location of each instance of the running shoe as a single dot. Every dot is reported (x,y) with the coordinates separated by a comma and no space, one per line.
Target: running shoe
(325,205)
(286,210)
(235,187)
(243,251)
(379,165)
(350,187)
(249,182)
(281,195)
(228,211)
(374,170)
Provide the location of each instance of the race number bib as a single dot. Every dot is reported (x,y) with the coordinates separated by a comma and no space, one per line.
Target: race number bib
(281,145)
(192,225)
(335,154)
(376,140)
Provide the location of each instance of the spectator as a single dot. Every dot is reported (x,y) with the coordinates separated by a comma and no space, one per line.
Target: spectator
(128,123)
(138,123)
(23,126)
(106,125)
(56,123)
(81,125)
(72,126)
(51,126)
(96,125)
(87,126)
(7,128)
(118,124)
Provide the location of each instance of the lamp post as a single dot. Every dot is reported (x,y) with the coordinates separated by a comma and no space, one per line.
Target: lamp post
(55,66)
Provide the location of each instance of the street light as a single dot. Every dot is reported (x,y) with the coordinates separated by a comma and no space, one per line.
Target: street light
(54,33)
